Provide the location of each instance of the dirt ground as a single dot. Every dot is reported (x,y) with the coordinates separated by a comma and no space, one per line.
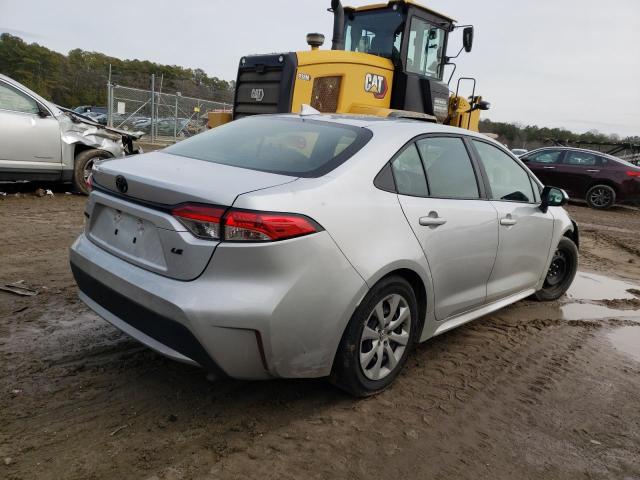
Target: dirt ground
(540,391)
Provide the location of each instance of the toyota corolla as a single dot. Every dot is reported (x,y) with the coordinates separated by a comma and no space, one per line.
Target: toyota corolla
(317,245)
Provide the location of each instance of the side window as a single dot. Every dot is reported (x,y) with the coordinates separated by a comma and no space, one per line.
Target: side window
(581,158)
(12,99)
(546,156)
(508,180)
(449,170)
(409,174)
(425,51)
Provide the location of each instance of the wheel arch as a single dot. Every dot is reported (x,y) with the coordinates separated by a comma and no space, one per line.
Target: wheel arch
(573,233)
(421,287)
(604,181)
(78,148)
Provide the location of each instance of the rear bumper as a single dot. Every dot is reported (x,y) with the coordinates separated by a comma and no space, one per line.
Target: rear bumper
(157,331)
(257,311)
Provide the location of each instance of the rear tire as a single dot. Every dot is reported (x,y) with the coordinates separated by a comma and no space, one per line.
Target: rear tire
(561,273)
(82,168)
(372,352)
(601,197)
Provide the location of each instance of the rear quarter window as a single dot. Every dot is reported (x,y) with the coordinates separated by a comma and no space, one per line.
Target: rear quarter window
(288,146)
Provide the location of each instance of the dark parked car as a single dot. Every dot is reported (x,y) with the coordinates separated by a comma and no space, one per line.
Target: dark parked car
(601,179)
(83,109)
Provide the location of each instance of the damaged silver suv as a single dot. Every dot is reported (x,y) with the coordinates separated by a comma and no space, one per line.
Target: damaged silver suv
(40,141)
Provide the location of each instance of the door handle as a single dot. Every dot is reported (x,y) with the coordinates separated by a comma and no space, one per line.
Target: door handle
(593,171)
(508,221)
(549,168)
(432,220)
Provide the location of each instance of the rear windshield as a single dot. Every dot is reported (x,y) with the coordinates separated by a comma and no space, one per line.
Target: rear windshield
(288,146)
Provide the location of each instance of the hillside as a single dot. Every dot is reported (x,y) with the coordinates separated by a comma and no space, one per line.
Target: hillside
(80,78)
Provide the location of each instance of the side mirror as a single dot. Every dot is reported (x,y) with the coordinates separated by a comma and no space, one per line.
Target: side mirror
(552,197)
(467,39)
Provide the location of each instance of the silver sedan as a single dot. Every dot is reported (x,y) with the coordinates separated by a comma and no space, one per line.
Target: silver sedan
(317,245)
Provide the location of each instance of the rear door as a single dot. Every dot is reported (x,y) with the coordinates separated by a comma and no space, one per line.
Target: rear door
(28,142)
(442,199)
(524,231)
(578,171)
(544,164)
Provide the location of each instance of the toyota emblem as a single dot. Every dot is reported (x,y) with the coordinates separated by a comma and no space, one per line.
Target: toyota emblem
(121,184)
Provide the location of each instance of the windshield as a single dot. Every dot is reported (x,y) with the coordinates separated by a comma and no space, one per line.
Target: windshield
(288,146)
(378,32)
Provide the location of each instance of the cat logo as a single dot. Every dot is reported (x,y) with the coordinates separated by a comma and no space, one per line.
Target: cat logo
(375,84)
(257,94)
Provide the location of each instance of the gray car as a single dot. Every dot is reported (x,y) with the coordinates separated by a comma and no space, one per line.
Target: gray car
(317,245)
(41,141)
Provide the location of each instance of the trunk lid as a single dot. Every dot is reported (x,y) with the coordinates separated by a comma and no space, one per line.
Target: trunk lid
(135,223)
(168,179)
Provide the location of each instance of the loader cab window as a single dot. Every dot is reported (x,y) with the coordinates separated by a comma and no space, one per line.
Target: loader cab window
(426,49)
(378,32)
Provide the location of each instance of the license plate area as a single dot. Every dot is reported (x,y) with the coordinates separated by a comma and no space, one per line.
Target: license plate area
(128,236)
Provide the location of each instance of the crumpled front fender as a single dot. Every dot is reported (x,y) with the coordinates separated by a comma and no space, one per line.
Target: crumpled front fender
(91,136)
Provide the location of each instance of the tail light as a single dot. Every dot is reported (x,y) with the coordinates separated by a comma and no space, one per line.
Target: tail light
(212,223)
(242,225)
(633,173)
(203,221)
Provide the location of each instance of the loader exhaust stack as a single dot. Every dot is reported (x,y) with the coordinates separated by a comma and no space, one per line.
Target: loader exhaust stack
(338,25)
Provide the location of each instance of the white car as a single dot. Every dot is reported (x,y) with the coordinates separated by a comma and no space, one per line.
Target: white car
(42,141)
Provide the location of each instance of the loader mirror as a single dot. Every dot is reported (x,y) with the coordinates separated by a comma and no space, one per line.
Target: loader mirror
(467,39)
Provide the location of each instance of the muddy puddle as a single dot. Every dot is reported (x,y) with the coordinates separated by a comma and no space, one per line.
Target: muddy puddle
(627,341)
(593,286)
(591,297)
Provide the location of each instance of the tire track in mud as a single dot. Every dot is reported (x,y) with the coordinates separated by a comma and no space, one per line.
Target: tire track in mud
(454,377)
(502,397)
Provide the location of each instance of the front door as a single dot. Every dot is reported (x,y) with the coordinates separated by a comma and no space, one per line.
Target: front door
(457,230)
(524,231)
(28,142)
(578,171)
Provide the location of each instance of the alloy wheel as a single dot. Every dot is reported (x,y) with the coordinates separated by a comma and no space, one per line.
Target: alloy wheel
(89,166)
(385,337)
(600,197)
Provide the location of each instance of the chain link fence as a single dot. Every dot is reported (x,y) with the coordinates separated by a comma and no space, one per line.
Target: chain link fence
(164,117)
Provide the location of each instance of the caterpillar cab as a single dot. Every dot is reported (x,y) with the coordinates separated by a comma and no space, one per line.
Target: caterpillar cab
(386,60)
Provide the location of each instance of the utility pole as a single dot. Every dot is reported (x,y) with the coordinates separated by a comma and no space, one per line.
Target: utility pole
(109,100)
(153,110)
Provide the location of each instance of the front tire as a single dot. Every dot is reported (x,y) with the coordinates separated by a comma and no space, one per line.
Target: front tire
(601,197)
(378,339)
(82,168)
(561,273)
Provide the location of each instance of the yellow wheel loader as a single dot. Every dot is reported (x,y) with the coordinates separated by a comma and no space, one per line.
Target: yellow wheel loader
(386,60)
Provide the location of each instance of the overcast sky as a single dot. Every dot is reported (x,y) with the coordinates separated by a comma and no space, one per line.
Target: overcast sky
(562,63)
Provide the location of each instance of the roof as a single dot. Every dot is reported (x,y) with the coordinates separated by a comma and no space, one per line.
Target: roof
(579,149)
(374,6)
(380,124)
